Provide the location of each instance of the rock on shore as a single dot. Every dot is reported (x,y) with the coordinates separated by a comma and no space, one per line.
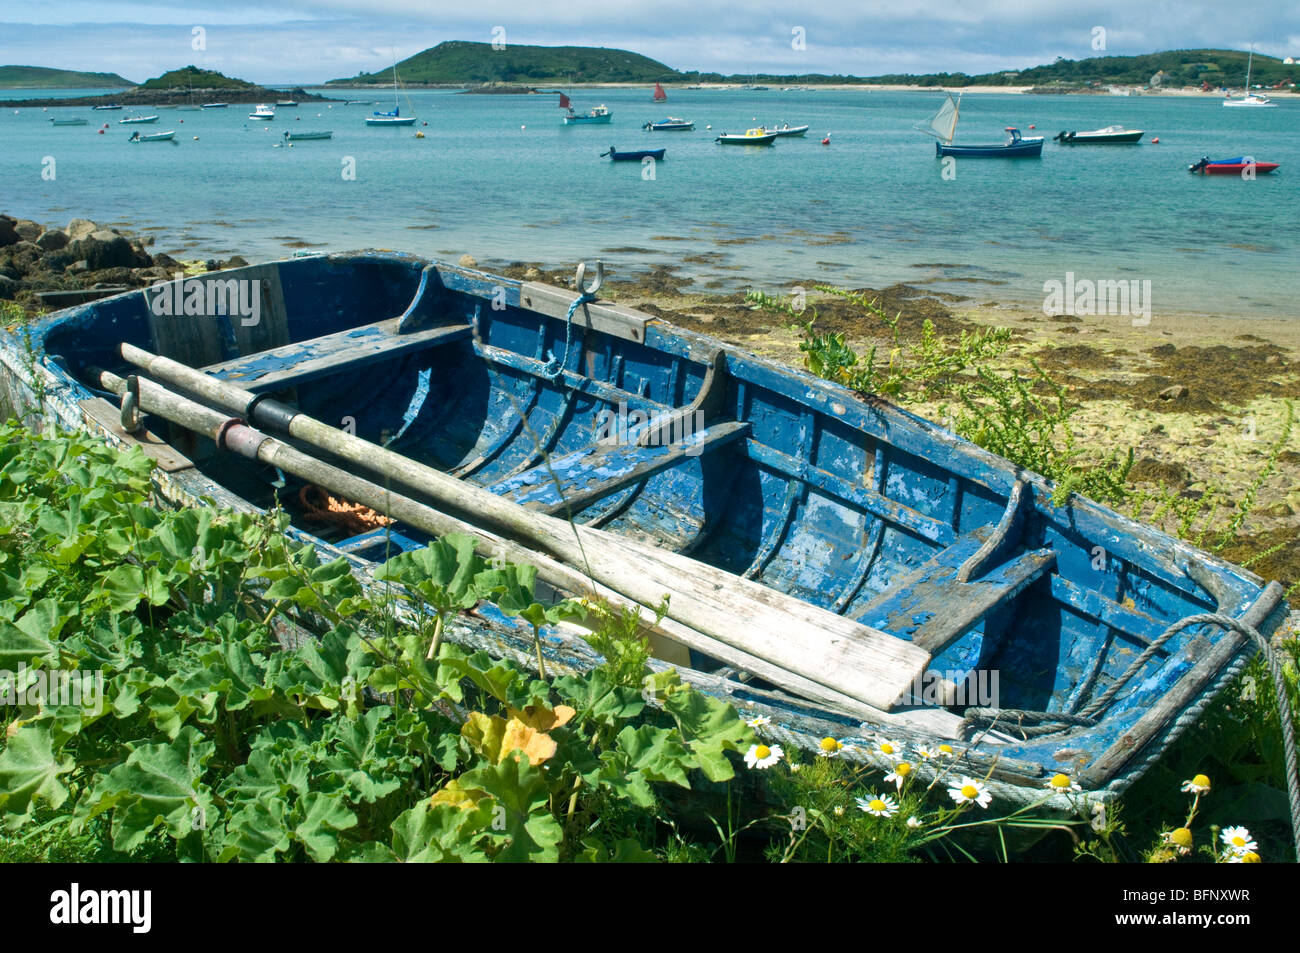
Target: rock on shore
(84,254)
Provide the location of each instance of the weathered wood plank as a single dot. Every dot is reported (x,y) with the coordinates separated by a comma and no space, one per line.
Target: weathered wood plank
(329,354)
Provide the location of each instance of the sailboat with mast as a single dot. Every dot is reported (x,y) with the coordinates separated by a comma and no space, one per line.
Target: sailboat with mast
(1249,98)
(393,117)
(944,127)
(660,95)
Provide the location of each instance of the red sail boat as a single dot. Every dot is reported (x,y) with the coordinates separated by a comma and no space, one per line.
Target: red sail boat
(660,95)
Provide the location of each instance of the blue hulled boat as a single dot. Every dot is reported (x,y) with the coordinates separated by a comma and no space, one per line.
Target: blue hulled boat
(634,156)
(836,563)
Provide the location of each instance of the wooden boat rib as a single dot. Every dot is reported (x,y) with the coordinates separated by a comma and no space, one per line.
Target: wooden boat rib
(838,524)
(943,126)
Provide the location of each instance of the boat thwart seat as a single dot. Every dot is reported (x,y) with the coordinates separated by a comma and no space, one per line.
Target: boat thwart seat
(303,361)
(932,607)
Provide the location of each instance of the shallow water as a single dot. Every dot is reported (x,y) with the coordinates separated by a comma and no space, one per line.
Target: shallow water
(500,178)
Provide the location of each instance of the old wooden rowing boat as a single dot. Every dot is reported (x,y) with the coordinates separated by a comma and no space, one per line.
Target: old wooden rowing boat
(835,563)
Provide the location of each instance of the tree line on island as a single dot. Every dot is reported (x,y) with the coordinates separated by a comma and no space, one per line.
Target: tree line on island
(465,63)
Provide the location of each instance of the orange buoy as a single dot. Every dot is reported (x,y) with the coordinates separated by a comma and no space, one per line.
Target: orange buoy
(1032,126)
(827,140)
(1155,140)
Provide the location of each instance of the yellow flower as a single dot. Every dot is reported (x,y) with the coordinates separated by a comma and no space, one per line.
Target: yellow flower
(945,751)
(1061,783)
(890,749)
(1180,838)
(762,756)
(900,773)
(1238,840)
(829,748)
(884,806)
(1198,785)
(968,790)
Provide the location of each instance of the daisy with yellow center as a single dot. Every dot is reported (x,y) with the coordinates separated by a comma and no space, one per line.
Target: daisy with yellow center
(1238,840)
(1198,785)
(1180,838)
(945,751)
(1061,784)
(762,721)
(899,774)
(1249,857)
(925,752)
(829,748)
(890,749)
(882,806)
(763,756)
(968,790)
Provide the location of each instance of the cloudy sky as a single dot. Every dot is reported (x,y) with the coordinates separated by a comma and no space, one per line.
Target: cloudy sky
(297,41)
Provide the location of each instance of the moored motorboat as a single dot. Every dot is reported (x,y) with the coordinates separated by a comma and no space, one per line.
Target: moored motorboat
(751,137)
(262,112)
(214,106)
(1110,134)
(306,136)
(671,124)
(786,129)
(109,106)
(1244,166)
(136,120)
(71,121)
(153,137)
(634,156)
(599,114)
(827,554)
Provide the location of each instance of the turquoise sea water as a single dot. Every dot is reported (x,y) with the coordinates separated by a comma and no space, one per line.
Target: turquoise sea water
(499,178)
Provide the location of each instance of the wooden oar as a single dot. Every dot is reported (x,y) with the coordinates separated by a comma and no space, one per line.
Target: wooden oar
(837,653)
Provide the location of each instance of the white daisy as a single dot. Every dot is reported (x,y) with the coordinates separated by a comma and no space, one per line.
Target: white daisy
(1061,784)
(1238,840)
(925,752)
(1198,785)
(890,749)
(914,821)
(1249,857)
(762,721)
(763,756)
(969,790)
(828,748)
(901,770)
(945,751)
(883,806)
